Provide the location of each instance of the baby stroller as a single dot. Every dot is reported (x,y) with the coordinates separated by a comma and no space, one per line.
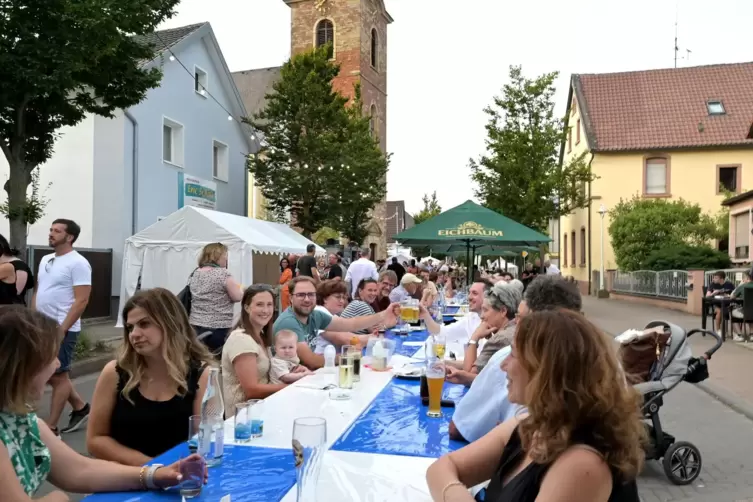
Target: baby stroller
(681,460)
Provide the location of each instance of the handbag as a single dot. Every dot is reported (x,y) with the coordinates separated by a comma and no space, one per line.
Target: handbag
(185,296)
(640,355)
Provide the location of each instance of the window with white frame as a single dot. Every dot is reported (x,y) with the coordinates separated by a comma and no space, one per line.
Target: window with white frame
(656,176)
(220,168)
(742,235)
(172,142)
(201,81)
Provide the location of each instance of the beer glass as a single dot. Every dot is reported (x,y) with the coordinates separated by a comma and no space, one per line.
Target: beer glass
(346,367)
(405,311)
(440,344)
(435,371)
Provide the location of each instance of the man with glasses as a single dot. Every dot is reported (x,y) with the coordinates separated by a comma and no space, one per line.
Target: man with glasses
(387,282)
(62,293)
(305,321)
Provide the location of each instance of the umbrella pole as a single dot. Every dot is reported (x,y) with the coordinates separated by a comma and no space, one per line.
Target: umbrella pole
(468,267)
(473,260)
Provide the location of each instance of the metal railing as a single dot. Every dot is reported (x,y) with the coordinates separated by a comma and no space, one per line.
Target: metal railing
(670,284)
(734,275)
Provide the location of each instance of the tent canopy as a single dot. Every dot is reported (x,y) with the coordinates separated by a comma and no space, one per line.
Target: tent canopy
(470,224)
(197,225)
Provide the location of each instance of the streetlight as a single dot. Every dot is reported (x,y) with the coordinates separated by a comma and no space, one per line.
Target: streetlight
(602,212)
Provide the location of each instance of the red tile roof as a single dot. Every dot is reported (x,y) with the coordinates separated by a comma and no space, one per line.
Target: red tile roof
(666,109)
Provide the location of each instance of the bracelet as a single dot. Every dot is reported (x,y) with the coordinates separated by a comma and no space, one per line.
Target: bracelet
(142,477)
(150,476)
(450,485)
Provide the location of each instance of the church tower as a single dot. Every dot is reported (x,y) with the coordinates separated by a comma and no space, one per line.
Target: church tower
(357,30)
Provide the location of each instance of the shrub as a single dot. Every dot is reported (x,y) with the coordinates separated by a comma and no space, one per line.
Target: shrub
(687,256)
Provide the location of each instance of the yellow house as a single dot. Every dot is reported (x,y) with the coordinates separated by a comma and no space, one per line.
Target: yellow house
(672,133)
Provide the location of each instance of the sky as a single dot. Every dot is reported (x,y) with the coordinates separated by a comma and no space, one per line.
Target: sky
(446,63)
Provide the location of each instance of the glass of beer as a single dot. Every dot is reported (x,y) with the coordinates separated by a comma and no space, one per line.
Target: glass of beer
(346,367)
(440,344)
(435,371)
(406,312)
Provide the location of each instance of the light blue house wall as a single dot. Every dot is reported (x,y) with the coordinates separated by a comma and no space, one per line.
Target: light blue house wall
(133,186)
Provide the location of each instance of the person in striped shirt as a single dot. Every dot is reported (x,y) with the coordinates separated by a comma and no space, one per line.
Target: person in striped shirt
(366,293)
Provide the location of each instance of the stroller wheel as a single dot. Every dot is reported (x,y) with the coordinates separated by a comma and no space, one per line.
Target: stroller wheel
(682,463)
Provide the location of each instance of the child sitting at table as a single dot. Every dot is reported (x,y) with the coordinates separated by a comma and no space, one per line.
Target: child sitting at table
(285,366)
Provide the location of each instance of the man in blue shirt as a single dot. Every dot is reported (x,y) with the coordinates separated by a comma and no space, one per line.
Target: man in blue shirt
(486,403)
(719,286)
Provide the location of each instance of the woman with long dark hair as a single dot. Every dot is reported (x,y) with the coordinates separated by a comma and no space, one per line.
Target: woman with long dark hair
(247,352)
(15,276)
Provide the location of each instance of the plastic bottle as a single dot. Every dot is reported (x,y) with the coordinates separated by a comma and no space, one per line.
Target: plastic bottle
(330,353)
(212,423)
(379,357)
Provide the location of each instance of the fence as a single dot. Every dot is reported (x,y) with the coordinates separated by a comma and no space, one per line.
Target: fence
(668,284)
(99,305)
(734,275)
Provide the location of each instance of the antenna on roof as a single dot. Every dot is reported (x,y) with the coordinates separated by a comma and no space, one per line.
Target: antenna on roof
(677,46)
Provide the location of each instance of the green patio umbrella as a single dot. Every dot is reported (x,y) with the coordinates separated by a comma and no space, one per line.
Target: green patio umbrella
(474,227)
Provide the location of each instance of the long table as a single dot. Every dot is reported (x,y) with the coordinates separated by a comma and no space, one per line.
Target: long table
(363,461)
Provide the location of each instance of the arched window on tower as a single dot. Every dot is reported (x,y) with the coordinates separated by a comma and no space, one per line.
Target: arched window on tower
(325,34)
(373,129)
(374,49)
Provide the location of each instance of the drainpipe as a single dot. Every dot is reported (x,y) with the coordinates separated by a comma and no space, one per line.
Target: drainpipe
(590,263)
(135,177)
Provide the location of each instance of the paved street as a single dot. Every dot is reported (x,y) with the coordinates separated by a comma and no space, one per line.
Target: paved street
(724,436)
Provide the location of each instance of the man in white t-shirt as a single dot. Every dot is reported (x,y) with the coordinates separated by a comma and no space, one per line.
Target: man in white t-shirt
(362,268)
(461,331)
(62,292)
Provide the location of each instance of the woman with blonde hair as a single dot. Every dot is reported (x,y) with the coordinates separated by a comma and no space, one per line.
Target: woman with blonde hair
(143,400)
(582,436)
(213,295)
(30,453)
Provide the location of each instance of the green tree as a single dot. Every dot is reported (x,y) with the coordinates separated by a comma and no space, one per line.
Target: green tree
(430,210)
(638,227)
(315,161)
(685,257)
(363,184)
(59,61)
(521,175)
(324,234)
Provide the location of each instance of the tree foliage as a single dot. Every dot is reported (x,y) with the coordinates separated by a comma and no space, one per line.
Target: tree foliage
(520,175)
(430,210)
(638,227)
(59,61)
(686,257)
(318,162)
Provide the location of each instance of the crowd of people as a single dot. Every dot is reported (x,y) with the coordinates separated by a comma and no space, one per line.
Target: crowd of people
(547,415)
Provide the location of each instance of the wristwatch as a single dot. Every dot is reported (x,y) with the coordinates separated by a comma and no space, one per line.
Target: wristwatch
(472,342)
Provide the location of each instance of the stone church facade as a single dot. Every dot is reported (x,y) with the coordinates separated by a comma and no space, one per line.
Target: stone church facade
(357,30)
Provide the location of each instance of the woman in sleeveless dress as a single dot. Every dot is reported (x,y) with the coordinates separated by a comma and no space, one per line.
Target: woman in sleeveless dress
(582,435)
(23,278)
(143,400)
(30,454)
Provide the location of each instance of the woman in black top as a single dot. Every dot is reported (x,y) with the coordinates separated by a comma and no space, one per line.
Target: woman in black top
(13,289)
(142,401)
(579,440)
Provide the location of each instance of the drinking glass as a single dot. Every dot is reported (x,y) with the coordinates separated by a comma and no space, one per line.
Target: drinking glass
(242,422)
(192,469)
(309,445)
(194,428)
(435,372)
(346,367)
(440,344)
(256,417)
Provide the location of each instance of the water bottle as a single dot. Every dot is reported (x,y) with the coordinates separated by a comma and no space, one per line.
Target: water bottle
(330,353)
(212,423)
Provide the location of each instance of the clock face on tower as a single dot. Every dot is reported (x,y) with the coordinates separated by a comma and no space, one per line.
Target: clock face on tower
(322,5)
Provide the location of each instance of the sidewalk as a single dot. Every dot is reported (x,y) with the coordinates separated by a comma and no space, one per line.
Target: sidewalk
(731,368)
(102,331)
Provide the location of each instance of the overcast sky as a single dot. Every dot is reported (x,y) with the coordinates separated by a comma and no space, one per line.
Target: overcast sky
(446,62)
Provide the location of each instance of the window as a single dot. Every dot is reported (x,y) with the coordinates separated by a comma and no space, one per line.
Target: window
(742,235)
(572,106)
(374,49)
(715,107)
(220,169)
(172,142)
(577,132)
(728,178)
(656,176)
(200,81)
(325,34)
(583,246)
(569,139)
(373,121)
(564,248)
(572,248)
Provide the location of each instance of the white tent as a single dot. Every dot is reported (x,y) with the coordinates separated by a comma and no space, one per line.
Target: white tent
(165,253)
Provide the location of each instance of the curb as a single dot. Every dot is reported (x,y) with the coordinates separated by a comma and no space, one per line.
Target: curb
(90,365)
(727,398)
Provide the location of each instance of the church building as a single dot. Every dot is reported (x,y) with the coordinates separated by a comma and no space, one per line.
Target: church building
(357,30)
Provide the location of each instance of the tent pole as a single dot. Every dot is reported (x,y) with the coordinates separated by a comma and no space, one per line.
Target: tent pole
(473,259)
(468,268)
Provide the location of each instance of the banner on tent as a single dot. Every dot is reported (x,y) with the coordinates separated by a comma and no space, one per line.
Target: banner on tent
(196,192)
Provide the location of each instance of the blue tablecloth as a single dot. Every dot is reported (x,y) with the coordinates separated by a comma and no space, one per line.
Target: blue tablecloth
(395,423)
(413,336)
(247,474)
